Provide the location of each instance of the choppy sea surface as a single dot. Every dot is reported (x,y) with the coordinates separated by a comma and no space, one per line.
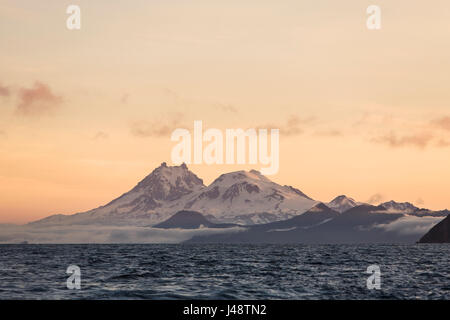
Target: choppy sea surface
(150,271)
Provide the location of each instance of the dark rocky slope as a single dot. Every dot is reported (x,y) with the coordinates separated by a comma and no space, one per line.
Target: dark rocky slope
(440,233)
(190,220)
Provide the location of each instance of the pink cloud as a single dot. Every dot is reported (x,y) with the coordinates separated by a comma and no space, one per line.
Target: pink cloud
(420,140)
(443,143)
(292,127)
(101,135)
(442,123)
(124,98)
(37,100)
(329,133)
(157,128)
(4,91)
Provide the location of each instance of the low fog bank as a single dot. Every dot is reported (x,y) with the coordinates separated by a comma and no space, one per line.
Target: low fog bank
(411,225)
(101,234)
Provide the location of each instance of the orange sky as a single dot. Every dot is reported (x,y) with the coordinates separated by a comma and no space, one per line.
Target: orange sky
(86,114)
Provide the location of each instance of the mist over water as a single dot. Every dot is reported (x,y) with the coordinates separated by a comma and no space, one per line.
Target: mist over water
(158,271)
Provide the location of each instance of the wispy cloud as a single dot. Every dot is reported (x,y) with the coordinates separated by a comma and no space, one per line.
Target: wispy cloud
(293,126)
(420,140)
(4,91)
(443,143)
(161,128)
(100,135)
(401,131)
(328,133)
(442,123)
(226,108)
(124,98)
(37,100)
(376,199)
(419,202)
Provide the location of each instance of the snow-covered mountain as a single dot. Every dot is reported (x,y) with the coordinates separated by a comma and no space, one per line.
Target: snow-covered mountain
(399,207)
(248,198)
(241,197)
(157,196)
(412,210)
(342,203)
(236,197)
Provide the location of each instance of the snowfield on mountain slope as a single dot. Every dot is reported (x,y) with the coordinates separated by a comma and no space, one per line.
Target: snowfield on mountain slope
(239,193)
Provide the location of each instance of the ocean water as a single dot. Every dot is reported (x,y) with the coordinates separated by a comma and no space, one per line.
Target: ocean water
(152,271)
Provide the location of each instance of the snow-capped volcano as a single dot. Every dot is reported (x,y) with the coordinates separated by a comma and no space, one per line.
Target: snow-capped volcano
(151,200)
(342,203)
(238,197)
(164,186)
(249,197)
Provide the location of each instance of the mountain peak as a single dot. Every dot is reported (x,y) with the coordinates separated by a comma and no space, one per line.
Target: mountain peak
(403,207)
(341,198)
(319,207)
(242,193)
(241,175)
(342,203)
(170,182)
(163,167)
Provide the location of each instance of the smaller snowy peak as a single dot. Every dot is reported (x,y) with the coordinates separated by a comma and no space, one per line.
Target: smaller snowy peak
(247,193)
(234,183)
(342,203)
(254,181)
(399,207)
